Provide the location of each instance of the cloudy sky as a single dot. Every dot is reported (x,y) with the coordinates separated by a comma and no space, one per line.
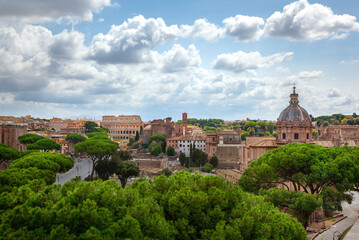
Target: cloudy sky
(224,59)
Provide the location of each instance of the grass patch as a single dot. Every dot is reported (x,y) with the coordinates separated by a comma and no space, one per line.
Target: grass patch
(345,233)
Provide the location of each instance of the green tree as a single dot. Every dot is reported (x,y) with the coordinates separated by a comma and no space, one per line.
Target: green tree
(97,135)
(207,168)
(106,168)
(309,168)
(44,145)
(125,170)
(155,148)
(315,133)
(123,155)
(170,151)
(182,158)
(75,138)
(198,157)
(7,153)
(167,172)
(131,141)
(13,178)
(137,136)
(97,150)
(214,161)
(244,135)
(44,160)
(104,129)
(160,139)
(300,204)
(182,206)
(29,138)
(251,127)
(90,127)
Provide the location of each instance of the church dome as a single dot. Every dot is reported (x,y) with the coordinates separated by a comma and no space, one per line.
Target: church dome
(294,111)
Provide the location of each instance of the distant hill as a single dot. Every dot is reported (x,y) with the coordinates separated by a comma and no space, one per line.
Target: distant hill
(337,119)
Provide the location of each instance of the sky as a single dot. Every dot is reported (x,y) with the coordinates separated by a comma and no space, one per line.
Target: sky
(229,59)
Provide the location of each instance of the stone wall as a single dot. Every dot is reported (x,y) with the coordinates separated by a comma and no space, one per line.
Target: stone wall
(230,156)
(10,133)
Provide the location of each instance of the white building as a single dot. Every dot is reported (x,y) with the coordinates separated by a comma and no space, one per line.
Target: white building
(184,143)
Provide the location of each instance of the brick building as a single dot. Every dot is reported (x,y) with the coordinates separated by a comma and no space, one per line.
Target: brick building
(9,132)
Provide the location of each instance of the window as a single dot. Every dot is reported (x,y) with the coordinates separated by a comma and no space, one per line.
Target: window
(296,135)
(307,135)
(283,136)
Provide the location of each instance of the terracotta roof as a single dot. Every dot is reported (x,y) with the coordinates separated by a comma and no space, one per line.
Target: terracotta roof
(266,143)
(197,137)
(255,140)
(228,132)
(324,143)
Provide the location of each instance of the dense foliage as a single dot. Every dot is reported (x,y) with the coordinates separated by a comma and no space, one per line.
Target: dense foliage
(91,127)
(183,206)
(44,145)
(338,119)
(213,161)
(44,160)
(97,149)
(97,135)
(299,204)
(249,128)
(75,138)
(170,151)
(160,139)
(309,168)
(207,168)
(197,157)
(155,148)
(34,165)
(29,138)
(7,153)
(118,164)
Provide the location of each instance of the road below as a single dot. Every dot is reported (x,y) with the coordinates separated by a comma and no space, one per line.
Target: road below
(81,168)
(352,213)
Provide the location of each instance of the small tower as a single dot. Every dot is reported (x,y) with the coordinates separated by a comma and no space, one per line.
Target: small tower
(184,123)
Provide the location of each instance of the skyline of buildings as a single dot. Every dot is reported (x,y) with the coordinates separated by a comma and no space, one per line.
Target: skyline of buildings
(229,60)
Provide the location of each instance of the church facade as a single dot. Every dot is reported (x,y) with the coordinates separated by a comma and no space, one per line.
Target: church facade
(293,125)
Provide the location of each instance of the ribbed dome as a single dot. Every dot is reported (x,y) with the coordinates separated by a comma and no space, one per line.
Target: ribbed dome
(294,111)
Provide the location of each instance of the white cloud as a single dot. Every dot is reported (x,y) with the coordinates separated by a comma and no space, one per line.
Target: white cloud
(23,57)
(241,61)
(101,20)
(128,42)
(350,62)
(68,45)
(38,11)
(334,93)
(282,70)
(304,21)
(179,58)
(201,28)
(304,77)
(244,28)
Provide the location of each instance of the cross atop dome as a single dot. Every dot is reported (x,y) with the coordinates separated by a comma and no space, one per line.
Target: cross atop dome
(294,98)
